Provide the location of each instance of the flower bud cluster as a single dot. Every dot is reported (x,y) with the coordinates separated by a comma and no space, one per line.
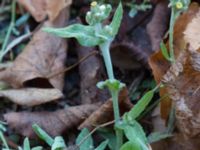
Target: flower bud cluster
(180,5)
(98,13)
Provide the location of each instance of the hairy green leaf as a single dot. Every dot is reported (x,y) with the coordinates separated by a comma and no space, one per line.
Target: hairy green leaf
(84,34)
(135,132)
(58,144)
(26,144)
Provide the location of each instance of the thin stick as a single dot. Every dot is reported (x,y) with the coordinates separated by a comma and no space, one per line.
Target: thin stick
(16,42)
(72,66)
(100,126)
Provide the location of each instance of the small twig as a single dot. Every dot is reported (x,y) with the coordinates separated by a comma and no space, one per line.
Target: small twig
(72,66)
(196,90)
(12,24)
(16,42)
(95,129)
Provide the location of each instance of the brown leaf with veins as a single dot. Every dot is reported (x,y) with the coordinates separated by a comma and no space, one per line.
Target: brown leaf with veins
(160,65)
(105,113)
(54,123)
(40,9)
(31,96)
(45,54)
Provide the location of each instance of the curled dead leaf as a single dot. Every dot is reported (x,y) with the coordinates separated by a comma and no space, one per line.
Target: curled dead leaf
(45,54)
(54,123)
(39,9)
(31,96)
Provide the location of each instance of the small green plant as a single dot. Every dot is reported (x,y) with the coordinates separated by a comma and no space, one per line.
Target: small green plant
(98,34)
(177,7)
(134,8)
(57,143)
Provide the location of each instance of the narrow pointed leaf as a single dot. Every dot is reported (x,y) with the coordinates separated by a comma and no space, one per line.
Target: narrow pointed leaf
(141,105)
(164,51)
(116,22)
(43,135)
(26,144)
(102,146)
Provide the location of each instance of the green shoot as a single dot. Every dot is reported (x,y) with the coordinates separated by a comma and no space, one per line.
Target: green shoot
(98,34)
(138,7)
(2,138)
(43,135)
(177,7)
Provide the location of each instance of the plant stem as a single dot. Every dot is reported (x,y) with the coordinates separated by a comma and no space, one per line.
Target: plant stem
(118,132)
(106,55)
(114,93)
(171,34)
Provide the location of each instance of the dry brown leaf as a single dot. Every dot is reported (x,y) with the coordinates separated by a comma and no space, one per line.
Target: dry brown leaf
(45,54)
(31,96)
(54,123)
(91,72)
(160,65)
(157,27)
(39,9)
(105,112)
(183,84)
(182,79)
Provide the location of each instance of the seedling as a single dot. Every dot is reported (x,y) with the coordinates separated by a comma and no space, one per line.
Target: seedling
(138,7)
(98,34)
(177,7)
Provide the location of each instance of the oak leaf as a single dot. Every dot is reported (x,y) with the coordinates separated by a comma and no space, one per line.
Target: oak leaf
(54,123)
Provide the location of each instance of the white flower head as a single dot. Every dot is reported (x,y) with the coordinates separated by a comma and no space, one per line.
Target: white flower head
(102,7)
